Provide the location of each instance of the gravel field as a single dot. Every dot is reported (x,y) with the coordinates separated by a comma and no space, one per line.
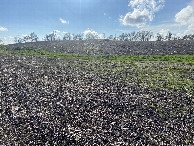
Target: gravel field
(48,101)
(106,47)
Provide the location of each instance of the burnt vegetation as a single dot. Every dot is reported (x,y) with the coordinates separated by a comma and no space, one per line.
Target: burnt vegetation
(96,92)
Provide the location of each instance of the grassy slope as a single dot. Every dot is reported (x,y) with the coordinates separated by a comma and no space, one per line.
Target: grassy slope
(151,71)
(139,58)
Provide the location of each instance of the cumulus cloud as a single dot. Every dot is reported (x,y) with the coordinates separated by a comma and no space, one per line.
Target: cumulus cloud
(59,34)
(7,40)
(64,21)
(3,28)
(143,11)
(101,36)
(91,34)
(136,18)
(186,16)
(164,32)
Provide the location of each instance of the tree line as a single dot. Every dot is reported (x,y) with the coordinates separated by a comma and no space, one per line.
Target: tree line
(132,36)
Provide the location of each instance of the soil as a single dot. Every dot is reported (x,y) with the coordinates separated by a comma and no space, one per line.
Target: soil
(46,101)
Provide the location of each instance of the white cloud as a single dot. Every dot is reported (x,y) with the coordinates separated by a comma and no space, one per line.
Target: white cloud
(164,32)
(11,37)
(101,36)
(186,16)
(24,35)
(143,11)
(91,34)
(7,40)
(64,21)
(186,32)
(57,31)
(136,18)
(3,28)
(163,29)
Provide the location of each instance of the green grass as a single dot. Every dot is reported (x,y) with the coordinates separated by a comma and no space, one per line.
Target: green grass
(157,75)
(134,58)
(148,71)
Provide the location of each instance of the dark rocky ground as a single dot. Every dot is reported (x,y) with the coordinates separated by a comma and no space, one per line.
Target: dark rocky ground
(74,102)
(106,47)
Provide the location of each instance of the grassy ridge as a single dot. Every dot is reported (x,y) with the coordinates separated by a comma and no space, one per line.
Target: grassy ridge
(136,58)
(148,70)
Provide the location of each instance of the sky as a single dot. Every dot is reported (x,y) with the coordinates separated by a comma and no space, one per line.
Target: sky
(21,17)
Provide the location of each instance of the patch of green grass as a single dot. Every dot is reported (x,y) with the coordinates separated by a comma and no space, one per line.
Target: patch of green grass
(148,71)
(135,58)
(163,76)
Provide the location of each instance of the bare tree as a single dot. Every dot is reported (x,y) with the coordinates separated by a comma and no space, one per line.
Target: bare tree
(123,37)
(51,36)
(26,38)
(169,36)
(18,40)
(33,37)
(78,36)
(1,43)
(91,36)
(144,35)
(111,37)
(188,37)
(132,36)
(129,37)
(159,37)
(185,37)
(115,37)
(192,36)
(75,37)
(67,36)
(104,35)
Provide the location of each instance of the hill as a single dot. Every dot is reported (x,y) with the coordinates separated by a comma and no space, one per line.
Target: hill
(62,93)
(109,47)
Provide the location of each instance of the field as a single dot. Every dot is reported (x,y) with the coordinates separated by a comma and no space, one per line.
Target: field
(52,97)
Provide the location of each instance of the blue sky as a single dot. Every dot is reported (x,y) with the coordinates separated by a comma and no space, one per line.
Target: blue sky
(20,17)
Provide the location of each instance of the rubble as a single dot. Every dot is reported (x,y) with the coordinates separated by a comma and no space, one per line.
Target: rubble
(48,101)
